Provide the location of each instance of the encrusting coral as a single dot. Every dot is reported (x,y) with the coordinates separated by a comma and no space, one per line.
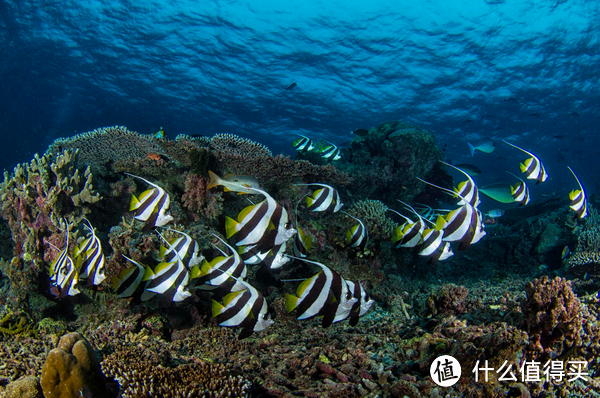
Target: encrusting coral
(586,257)
(71,369)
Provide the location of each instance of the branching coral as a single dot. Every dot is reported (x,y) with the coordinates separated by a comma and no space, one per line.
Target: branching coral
(143,372)
(373,214)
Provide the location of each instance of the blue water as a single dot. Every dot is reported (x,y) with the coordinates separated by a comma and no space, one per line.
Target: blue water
(526,71)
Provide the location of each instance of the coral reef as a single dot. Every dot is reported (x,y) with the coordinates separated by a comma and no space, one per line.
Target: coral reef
(71,369)
(102,147)
(34,200)
(204,204)
(385,162)
(586,257)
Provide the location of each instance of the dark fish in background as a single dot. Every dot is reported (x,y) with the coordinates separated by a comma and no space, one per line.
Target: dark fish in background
(291,86)
(486,145)
(361,132)
(469,169)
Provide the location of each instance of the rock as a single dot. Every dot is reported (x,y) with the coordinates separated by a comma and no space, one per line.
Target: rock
(25,387)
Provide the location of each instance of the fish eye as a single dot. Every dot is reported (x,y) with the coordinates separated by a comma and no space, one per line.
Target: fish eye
(349,296)
(288,225)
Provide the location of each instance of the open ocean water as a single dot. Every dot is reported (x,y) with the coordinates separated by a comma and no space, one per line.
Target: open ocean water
(525,71)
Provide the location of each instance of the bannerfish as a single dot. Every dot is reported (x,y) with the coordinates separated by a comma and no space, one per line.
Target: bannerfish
(303,143)
(185,247)
(533,167)
(432,246)
(467,190)
(265,224)
(170,278)
(464,224)
(471,170)
(302,243)
(235,182)
(357,236)
(363,304)
(331,152)
(325,198)
(321,295)
(486,145)
(578,198)
(246,308)
(152,205)
(63,273)
(226,271)
(89,258)
(520,192)
(132,281)
(409,233)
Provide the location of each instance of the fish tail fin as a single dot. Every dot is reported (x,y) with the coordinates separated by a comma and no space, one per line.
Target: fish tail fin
(230,227)
(215,180)
(134,204)
(291,302)
(195,272)
(309,201)
(471,148)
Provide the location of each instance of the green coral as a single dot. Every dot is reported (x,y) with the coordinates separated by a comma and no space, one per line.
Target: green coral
(17,323)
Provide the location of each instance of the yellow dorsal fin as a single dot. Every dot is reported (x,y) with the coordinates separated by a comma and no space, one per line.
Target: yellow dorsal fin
(305,284)
(440,222)
(231,296)
(148,274)
(244,213)
(573,194)
(162,266)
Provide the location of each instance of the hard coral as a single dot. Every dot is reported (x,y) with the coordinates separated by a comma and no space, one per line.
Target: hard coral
(101,147)
(143,373)
(34,200)
(553,318)
(71,369)
(204,203)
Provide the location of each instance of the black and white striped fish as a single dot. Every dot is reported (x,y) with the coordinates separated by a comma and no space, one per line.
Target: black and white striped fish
(520,192)
(89,258)
(170,278)
(273,258)
(246,308)
(467,190)
(303,143)
(265,224)
(152,205)
(63,273)
(323,294)
(302,244)
(331,152)
(325,198)
(358,235)
(463,224)
(578,198)
(225,272)
(132,281)
(185,247)
(409,233)
(533,167)
(433,246)
(363,304)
